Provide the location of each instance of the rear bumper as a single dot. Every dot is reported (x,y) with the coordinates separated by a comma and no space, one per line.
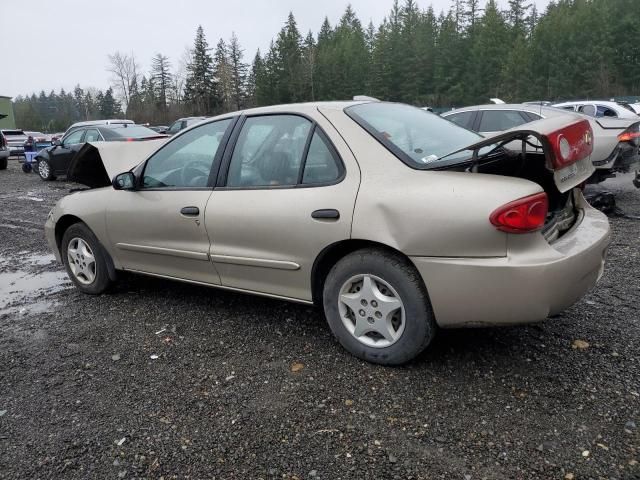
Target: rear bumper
(533,281)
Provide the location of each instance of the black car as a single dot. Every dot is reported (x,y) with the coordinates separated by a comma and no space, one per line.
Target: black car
(4,152)
(55,160)
(183,123)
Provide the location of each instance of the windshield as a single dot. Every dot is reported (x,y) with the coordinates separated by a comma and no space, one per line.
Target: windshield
(417,137)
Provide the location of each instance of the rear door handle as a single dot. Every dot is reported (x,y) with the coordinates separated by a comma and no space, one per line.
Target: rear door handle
(190,211)
(326,214)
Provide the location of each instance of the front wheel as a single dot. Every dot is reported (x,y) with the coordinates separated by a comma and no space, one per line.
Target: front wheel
(84,258)
(44,170)
(378,308)
(4,162)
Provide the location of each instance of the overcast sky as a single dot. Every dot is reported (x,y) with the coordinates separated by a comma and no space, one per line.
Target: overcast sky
(49,44)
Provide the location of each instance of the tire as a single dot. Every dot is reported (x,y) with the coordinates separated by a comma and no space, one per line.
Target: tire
(408,330)
(44,170)
(4,162)
(26,167)
(90,277)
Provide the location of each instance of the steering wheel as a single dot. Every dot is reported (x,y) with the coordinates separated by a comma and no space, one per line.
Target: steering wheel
(196,172)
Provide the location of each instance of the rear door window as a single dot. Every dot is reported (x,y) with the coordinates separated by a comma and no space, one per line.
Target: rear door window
(499,120)
(92,136)
(322,164)
(463,119)
(269,151)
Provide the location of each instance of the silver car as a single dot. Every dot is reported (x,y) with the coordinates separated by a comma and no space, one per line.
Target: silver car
(392,219)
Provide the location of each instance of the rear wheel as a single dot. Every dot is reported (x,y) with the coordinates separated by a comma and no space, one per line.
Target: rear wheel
(44,170)
(3,163)
(378,308)
(85,260)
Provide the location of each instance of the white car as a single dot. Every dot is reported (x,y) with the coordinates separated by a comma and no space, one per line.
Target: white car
(597,108)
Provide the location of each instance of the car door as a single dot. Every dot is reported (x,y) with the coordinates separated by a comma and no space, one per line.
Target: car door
(159,227)
(286,191)
(93,135)
(496,121)
(60,156)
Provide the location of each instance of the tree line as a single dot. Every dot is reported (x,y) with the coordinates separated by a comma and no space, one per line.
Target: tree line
(466,55)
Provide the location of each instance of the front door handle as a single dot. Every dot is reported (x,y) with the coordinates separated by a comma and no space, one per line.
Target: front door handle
(190,211)
(326,214)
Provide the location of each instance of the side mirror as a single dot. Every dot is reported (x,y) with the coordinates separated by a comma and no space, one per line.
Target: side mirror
(589,110)
(124,181)
(57,142)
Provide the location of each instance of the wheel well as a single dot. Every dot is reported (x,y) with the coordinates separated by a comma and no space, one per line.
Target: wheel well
(62,225)
(328,257)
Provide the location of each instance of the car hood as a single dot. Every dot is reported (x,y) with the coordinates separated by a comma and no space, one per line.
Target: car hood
(97,163)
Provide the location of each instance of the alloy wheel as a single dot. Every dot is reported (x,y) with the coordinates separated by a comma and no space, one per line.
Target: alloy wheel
(81,261)
(43,168)
(371,310)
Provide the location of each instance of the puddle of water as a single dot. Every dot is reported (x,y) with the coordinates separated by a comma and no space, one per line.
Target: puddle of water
(31,287)
(16,263)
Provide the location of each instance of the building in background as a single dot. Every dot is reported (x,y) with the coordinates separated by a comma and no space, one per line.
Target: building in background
(7,120)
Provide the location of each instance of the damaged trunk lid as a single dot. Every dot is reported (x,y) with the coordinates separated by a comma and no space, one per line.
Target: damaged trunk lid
(566,146)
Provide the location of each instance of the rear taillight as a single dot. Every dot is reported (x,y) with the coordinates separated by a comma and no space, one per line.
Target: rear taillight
(571,143)
(524,215)
(631,134)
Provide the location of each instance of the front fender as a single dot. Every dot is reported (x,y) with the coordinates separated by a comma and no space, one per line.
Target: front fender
(82,205)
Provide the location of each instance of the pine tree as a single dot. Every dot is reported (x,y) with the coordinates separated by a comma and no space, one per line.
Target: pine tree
(223,76)
(200,87)
(238,71)
(162,80)
(289,58)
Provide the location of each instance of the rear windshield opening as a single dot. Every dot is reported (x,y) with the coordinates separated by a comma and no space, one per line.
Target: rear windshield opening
(131,131)
(12,132)
(417,137)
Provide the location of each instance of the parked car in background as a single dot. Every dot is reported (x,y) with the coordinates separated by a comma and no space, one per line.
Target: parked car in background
(54,161)
(635,107)
(183,123)
(615,147)
(4,152)
(89,123)
(392,219)
(598,109)
(15,140)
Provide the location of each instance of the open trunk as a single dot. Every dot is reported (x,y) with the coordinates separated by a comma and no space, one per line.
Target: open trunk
(558,171)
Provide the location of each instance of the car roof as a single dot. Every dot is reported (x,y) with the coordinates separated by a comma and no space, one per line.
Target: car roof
(525,107)
(90,123)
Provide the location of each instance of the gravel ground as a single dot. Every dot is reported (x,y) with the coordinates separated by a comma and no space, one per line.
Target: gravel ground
(165,380)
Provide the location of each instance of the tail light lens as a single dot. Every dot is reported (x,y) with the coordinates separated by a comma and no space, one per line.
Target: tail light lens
(631,134)
(571,143)
(524,215)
